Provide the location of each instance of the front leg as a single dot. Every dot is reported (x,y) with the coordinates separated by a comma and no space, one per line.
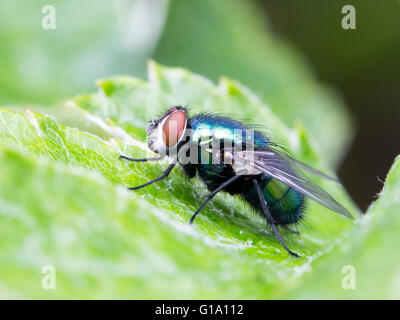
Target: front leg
(139,160)
(163,176)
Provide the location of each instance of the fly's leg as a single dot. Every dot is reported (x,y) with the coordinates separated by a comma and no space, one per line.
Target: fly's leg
(270,220)
(139,160)
(163,176)
(212,194)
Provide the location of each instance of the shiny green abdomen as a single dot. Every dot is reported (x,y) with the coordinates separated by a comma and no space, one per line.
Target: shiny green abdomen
(284,203)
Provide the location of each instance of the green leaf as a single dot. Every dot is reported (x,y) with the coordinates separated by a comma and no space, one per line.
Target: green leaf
(366,265)
(63,203)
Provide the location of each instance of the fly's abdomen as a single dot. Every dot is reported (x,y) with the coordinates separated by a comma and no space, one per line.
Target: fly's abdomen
(284,203)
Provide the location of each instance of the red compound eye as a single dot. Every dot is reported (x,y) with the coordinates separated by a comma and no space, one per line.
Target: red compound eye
(173,128)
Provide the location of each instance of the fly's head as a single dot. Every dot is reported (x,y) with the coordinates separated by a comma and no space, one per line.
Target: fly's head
(165,133)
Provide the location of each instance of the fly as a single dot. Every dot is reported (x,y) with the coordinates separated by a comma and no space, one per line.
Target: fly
(230,156)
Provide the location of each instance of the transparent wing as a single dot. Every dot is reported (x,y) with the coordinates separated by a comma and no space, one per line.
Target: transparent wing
(284,168)
(302,165)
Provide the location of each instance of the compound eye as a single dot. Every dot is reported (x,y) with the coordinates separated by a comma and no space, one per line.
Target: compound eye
(173,128)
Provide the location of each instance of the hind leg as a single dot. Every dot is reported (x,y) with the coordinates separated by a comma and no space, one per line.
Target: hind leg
(270,220)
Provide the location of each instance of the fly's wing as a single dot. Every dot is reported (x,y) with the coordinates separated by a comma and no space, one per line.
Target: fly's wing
(285,169)
(310,170)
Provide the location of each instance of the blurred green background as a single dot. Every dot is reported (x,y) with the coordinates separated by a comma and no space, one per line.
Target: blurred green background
(342,85)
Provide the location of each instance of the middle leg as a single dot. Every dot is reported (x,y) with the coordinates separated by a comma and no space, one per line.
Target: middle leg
(212,194)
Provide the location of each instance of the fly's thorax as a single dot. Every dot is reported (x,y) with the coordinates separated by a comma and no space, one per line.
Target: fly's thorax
(208,132)
(217,144)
